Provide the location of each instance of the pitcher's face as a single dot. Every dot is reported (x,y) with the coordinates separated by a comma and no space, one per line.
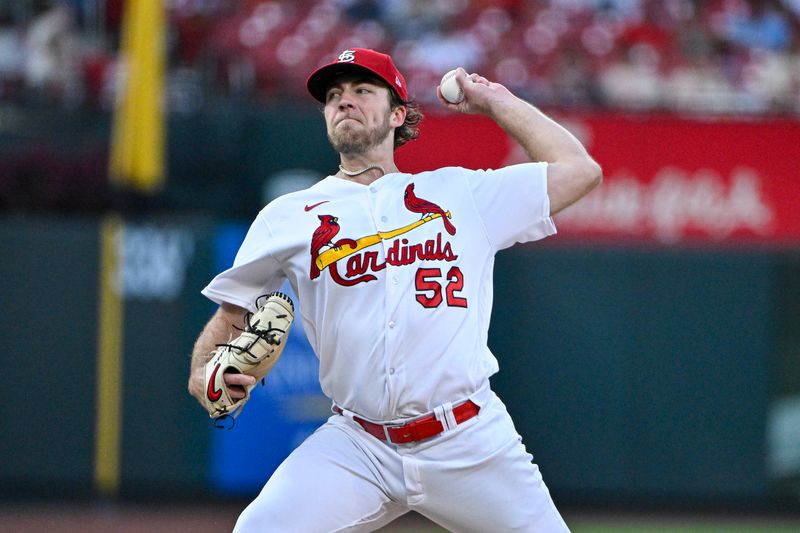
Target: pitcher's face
(358,115)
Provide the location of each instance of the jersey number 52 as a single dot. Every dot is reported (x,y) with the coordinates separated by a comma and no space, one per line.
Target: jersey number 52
(429,283)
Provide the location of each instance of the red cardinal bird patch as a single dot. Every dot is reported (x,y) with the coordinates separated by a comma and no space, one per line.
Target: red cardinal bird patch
(424,208)
(323,236)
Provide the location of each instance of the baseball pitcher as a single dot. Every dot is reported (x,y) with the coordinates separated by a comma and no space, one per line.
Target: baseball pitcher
(393,276)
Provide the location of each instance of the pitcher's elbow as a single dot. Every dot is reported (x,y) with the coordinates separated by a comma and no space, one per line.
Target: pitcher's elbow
(594,174)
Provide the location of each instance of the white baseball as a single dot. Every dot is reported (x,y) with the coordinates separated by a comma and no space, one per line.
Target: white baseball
(451,90)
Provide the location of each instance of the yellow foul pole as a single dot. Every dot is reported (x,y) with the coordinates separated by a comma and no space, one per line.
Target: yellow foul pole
(137,141)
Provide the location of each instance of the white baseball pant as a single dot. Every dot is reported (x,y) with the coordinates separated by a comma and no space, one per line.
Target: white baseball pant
(477,477)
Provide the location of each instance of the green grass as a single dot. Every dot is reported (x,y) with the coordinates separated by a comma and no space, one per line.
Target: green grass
(627,526)
(636,524)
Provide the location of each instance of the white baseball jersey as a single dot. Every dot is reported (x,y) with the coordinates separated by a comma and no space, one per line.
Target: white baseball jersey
(394,279)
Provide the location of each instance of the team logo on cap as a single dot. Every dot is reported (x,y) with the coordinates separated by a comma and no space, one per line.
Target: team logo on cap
(397,81)
(348,56)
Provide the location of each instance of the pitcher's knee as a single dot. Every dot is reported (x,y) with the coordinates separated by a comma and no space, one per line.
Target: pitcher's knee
(257,519)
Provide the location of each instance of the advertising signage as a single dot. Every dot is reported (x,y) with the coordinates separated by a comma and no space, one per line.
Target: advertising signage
(667,179)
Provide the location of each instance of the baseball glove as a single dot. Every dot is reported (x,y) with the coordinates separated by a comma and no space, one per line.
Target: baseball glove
(254,353)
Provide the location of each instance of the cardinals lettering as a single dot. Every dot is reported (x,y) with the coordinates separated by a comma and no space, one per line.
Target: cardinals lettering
(326,253)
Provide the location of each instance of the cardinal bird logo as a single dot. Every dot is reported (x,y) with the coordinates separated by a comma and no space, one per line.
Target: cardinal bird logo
(323,236)
(424,207)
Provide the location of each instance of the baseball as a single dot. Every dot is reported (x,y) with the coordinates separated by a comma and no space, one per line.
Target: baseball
(451,90)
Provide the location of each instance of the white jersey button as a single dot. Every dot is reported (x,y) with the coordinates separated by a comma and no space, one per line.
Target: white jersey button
(384,219)
(373,189)
(391,371)
(395,281)
(391,324)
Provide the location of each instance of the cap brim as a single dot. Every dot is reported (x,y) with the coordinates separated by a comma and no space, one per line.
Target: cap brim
(322,78)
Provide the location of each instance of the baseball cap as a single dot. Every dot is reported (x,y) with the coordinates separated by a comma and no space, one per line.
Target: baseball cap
(354,60)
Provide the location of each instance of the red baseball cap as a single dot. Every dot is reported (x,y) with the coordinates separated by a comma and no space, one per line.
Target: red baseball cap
(353,60)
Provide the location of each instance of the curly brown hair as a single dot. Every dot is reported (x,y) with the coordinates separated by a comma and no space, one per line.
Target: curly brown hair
(410,128)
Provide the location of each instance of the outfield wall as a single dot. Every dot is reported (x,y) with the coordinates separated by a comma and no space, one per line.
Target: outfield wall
(634,373)
(649,352)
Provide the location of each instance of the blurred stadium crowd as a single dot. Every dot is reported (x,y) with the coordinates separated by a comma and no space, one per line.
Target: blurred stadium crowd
(718,57)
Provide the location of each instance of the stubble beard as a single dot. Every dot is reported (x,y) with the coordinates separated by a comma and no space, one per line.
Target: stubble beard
(353,141)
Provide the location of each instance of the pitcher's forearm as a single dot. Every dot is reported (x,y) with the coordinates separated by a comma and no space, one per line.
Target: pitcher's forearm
(219,329)
(541,137)
(571,173)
